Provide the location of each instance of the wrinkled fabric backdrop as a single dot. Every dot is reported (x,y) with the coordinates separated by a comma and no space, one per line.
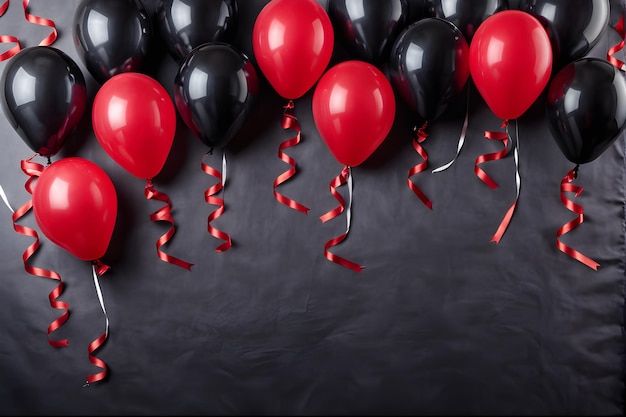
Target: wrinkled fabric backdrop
(441,321)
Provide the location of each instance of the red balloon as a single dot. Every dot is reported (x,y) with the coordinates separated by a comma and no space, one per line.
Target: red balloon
(354,108)
(134,120)
(75,206)
(510,62)
(293,43)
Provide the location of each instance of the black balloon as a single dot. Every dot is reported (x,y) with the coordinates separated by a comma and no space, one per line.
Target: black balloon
(112,36)
(44,97)
(429,64)
(185,24)
(574,26)
(586,108)
(368,28)
(468,15)
(215,90)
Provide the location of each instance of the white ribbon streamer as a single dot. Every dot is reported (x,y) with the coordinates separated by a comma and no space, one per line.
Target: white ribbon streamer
(96,282)
(5,199)
(223,168)
(461,139)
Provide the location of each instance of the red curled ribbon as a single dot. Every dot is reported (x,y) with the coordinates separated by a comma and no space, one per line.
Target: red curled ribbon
(7,38)
(48,40)
(619,27)
(34,170)
(502,136)
(338,181)
(571,225)
(99,269)
(420,136)
(289,121)
(164,214)
(209,197)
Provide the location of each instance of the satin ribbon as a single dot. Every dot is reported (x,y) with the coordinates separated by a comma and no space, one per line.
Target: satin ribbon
(47,41)
(504,224)
(289,121)
(343,178)
(98,269)
(619,27)
(419,137)
(502,136)
(164,214)
(7,38)
(210,198)
(461,142)
(5,199)
(566,186)
(34,170)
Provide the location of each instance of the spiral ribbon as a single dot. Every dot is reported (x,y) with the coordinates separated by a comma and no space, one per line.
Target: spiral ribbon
(210,198)
(566,186)
(343,178)
(164,214)
(619,27)
(289,121)
(48,40)
(34,170)
(419,137)
(98,269)
(502,136)
(504,224)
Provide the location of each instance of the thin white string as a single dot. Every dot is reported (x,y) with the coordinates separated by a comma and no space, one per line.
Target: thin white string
(100,298)
(223,168)
(516,159)
(461,138)
(5,199)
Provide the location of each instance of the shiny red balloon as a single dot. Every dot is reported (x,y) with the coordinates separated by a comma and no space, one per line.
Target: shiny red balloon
(75,206)
(134,120)
(293,42)
(510,62)
(354,108)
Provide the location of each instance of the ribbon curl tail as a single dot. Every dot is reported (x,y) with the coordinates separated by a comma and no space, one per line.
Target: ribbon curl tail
(289,121)
(343,178)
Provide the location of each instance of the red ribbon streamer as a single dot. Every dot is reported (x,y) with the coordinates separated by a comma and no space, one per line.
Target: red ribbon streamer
(7,38)
(91,349)
(164,214)
(338,181)
(209,197)
(502,136)
(99,269)
(420,136)
(289,121)
(566,186)
(34,170)
(48,40)
(619,46)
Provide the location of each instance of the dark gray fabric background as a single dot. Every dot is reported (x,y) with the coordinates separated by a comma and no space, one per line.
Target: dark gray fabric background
(441,321)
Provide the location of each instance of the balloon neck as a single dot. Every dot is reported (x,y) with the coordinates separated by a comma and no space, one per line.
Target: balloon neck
(505,124)
(49,161)
(289,106)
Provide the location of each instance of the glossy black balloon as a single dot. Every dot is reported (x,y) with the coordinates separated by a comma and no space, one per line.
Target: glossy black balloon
(43,97)
(429,65)
(368,28)
(215,90)
(185,24)
(574,26)
(468,15)
(586,108)
(112,36)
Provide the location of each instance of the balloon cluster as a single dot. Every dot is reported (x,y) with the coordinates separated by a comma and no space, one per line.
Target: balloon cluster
(511,55)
